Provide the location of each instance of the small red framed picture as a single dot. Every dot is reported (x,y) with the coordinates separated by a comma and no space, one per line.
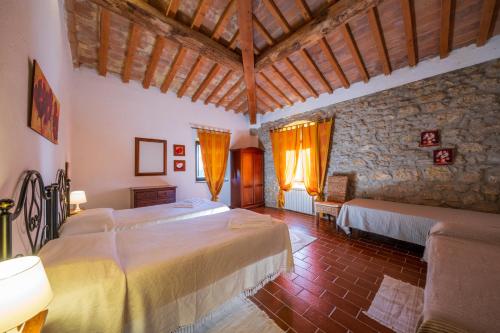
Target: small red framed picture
(443,156)
(179,150)
(429,138)
(179,165)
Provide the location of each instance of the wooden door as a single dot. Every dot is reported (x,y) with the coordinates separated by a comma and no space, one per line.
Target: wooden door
(247,179)
(258,177)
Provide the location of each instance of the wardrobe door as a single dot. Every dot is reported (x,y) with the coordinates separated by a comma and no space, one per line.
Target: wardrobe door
(247,179)
(258,177)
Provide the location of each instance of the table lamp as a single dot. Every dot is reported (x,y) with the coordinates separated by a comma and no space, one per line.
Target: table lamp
(77,198)
(24,293)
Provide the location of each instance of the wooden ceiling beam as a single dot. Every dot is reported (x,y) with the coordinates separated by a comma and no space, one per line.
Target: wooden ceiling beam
(219,86)
(327,51)
(104,24)
(176,64)
(144,14)
(276,88)
(210,76)
(172,8)
(241,108)
(409,23)
(447,13)
(275,11)
(353,48)
(234,40)
(133,42)
(229,92)
(263,31)
(316,71)
(327,20)
(287,83)
(192,74)
(224,18)
(304,9)
(199,15)
(269,97)
(301,77)
(486,22)
(263,103)
(374,21)
(245,23)
(153,61)
(236,100)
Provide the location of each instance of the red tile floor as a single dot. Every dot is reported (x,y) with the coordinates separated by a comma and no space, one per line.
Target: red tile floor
(335,278)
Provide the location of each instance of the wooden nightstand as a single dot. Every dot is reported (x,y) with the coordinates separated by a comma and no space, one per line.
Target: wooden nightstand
(152,195)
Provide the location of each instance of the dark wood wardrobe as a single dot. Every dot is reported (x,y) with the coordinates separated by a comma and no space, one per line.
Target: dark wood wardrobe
(247,177)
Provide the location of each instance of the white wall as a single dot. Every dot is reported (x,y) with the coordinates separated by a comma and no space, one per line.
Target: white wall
(108,114)
(31,29)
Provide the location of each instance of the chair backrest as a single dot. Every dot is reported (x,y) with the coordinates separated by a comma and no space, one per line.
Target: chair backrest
(336,189)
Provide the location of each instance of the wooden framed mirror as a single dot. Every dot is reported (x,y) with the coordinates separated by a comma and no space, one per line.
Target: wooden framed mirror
(150,157)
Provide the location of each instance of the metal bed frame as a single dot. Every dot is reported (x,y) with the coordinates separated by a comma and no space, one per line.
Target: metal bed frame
(43,208)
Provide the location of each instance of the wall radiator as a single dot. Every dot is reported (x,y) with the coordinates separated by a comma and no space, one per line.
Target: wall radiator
(298,200)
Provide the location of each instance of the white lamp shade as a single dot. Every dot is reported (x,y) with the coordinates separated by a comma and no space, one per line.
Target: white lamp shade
(24,291)
(77,197)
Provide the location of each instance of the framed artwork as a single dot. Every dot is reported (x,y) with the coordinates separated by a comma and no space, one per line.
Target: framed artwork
(443,156)
(430,138)
(179,165)
(150,157)
(45,107)
(179,150)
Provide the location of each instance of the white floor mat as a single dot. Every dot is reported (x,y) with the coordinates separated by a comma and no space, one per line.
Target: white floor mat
(300,240)
(397,305)
(238,316)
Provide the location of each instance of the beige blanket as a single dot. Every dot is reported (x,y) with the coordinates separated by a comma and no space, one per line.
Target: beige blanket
(463,277)
(175,273)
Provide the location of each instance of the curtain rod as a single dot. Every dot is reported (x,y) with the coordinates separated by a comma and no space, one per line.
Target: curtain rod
(306,123)
(210,128)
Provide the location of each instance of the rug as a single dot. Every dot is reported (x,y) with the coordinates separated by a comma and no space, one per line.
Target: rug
(238,316)
(397,305)
(300,240)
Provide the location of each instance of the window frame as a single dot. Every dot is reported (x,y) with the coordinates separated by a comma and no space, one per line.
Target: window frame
(196,147)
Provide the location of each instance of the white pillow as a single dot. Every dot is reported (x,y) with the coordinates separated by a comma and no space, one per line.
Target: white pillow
(88,221)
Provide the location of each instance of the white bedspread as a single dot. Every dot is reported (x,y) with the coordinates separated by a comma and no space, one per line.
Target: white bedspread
(172,274)
(137,217)
(410,223)
(107,219)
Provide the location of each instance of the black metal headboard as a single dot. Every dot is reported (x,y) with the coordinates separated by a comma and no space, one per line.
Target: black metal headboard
(43,209)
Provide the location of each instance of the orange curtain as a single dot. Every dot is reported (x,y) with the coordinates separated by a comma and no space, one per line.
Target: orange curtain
(315,149)
(214,153)
(286,147)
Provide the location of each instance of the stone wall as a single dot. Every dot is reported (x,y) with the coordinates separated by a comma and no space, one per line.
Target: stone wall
(376,141)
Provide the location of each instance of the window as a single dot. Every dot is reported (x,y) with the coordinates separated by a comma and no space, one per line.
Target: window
(200,173)
(298,180)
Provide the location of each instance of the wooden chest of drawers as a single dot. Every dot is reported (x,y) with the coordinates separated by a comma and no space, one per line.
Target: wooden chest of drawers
(151,195)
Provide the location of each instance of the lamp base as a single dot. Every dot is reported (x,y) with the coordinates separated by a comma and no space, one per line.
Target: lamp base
(76,210)
(35,324)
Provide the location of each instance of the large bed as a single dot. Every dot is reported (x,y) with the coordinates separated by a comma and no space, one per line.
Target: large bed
(161,277)
(406,222)
(108,219)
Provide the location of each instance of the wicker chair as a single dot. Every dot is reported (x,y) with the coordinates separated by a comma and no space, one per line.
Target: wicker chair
(335,196)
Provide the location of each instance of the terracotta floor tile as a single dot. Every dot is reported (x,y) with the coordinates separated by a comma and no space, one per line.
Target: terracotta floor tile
(325,323)
(296,321)
(271,302)
(294,302)
(350,322)
(335,278)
